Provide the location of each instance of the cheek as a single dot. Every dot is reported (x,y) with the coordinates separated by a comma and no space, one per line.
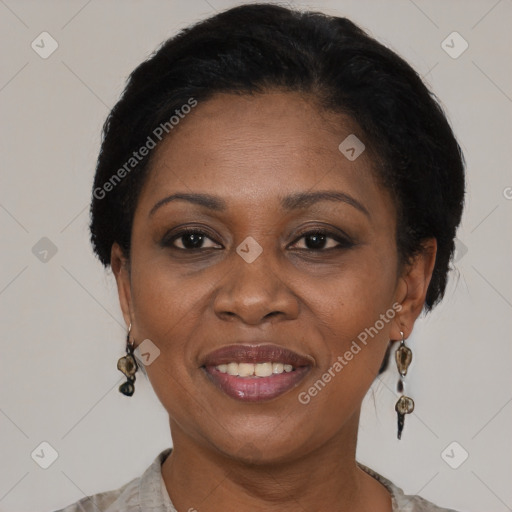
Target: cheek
(164,295)
(167,306)
(355,296)
(353,311)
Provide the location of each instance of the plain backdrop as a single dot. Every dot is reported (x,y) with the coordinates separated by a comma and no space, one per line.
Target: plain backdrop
(61,327)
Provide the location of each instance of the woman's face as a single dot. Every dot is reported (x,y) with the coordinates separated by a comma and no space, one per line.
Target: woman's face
(256,277)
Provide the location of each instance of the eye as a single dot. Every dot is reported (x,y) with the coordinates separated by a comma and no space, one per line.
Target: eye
(319,240)
(189,239)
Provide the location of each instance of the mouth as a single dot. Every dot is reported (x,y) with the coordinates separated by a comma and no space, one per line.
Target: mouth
(254,373)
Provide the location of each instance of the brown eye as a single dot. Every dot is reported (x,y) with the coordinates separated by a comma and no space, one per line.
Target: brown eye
(323,240)
(189,239)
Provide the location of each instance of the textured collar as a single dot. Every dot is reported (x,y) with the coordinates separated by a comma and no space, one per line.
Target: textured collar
(153,494)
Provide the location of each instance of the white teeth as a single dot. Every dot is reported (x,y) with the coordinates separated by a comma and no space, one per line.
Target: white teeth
(232,369)
(277,367)
(245,369)
(254,370)
(263,369)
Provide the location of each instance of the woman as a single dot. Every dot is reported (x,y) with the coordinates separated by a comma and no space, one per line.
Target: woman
(277,195)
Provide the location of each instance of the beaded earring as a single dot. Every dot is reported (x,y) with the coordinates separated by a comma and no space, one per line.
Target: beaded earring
(405,404)
(128,366)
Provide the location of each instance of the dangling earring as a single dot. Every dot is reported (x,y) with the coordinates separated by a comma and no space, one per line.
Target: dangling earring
(128,366)
(405,404)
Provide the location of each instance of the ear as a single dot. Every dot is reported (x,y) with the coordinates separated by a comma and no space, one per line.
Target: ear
(412,288)
(121,269)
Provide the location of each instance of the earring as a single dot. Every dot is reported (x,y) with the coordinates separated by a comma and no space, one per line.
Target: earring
(128,366)
(405,404)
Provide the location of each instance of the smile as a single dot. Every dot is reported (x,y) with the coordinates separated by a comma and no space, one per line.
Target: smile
(252,388)
(255,373)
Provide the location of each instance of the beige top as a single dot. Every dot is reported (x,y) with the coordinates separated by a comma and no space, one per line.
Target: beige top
(148,493)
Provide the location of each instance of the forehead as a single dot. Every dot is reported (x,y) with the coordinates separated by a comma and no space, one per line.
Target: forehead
(260,147)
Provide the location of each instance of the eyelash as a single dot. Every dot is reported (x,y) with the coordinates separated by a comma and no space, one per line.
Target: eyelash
(344,243)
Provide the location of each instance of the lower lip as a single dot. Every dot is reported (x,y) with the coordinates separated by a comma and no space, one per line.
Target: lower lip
(256,389)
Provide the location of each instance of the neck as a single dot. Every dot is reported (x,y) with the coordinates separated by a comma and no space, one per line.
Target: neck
(198,478)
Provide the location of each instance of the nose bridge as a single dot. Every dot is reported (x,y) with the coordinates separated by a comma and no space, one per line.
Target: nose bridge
(252,289)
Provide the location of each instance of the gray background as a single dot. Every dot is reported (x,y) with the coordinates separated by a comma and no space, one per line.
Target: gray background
(62,331)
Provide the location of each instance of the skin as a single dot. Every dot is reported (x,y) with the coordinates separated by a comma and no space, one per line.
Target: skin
(251,151)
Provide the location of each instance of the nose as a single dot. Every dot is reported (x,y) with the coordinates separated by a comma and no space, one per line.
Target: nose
(254,293)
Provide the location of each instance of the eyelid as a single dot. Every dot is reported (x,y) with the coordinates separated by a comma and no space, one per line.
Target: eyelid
(343,240)
(169,238)
(330,231)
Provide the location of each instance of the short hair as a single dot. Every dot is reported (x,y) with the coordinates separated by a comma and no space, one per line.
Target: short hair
(257,48)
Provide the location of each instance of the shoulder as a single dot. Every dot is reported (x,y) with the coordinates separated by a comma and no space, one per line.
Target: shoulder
(404,502)
(140,494)
(416,503)
(122,499)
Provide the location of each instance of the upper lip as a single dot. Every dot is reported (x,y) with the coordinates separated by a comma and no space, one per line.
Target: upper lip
(256,353)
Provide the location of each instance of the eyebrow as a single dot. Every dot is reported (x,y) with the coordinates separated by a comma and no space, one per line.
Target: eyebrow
(305,199)
(291,202)
(206,200)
